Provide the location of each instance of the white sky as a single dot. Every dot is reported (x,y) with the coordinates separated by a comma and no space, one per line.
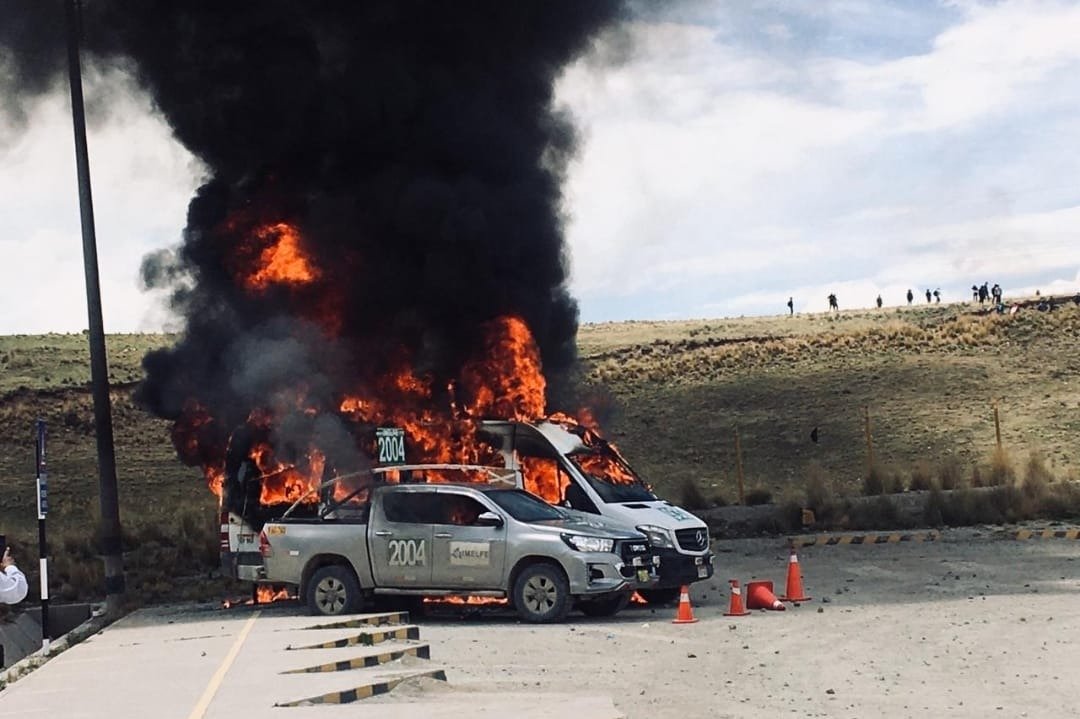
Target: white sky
(735,153)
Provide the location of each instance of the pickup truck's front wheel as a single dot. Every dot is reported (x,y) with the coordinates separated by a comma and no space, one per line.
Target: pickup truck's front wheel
(541,594)
(333,590)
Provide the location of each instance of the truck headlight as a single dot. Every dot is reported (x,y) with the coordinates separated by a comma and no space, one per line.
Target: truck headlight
(583,543)
(658,536)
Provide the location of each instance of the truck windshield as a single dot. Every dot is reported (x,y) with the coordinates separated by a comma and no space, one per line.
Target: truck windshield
(523,506)
(611,477)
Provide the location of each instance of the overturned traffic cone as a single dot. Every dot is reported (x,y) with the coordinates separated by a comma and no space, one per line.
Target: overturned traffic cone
(736,608)
(794,592)
(686,612)
(759,595)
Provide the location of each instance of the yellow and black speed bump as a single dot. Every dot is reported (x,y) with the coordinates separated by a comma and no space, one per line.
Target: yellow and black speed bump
(1046,534)
(366,639)
(420,651)
(828,540)
(374,620)
(363,692)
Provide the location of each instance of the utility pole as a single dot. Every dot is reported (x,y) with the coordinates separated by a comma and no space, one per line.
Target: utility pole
(99,370)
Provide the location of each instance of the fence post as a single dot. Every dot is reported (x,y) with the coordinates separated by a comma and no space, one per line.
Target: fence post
(997,425)
(738,467)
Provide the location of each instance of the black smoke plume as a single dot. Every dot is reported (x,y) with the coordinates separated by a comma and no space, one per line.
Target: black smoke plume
(415,147)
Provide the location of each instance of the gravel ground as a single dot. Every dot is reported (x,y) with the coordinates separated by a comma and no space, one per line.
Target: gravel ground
(970,625)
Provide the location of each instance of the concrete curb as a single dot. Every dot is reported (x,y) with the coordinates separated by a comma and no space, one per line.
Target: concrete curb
(829,540)
(27,664)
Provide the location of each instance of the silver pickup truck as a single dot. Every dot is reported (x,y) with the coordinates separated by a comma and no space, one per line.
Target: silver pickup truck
(458,539)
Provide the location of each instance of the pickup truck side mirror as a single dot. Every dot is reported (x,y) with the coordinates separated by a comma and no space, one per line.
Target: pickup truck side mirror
(489,519)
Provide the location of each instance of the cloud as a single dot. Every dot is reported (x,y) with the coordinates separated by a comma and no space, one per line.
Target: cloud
(142,180)
(720,174)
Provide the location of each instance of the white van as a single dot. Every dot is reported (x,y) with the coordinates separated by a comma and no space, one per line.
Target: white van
(589,475)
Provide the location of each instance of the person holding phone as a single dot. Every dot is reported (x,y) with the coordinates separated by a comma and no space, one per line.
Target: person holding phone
(13,585)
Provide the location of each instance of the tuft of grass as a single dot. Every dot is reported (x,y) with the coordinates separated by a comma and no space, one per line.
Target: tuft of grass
(881,513)
(1037,478)
(922,477)
(758,495)
(935,508)
(873,482)
(1002,473)
(819,496)
(950,473)
(690,495)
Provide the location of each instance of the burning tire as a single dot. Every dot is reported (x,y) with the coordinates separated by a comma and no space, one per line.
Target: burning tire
(333,590)
(541,594)
(606,607)
(660,596)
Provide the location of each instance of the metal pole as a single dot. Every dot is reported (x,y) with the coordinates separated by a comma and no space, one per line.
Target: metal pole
(738,467)
(43,544)
(99,371)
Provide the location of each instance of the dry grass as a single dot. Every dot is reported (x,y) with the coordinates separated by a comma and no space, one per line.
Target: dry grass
(669,393)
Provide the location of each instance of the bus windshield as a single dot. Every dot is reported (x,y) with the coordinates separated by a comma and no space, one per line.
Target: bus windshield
(611,476)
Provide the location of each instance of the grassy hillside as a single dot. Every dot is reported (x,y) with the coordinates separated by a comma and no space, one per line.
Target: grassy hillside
(927,375)
(675,394)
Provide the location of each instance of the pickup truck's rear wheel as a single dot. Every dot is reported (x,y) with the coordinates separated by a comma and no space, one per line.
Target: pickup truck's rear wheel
(609,606)
(333,590)
(541,594)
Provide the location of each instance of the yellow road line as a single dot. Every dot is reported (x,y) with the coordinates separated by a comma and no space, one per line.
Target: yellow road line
(215,681)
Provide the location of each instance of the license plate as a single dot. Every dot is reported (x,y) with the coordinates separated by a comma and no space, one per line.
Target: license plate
(643,575)
(702,571)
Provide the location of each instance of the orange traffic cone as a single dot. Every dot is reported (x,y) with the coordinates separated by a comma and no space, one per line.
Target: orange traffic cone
(794,591)
(736,609)
(686,612)
(759,595)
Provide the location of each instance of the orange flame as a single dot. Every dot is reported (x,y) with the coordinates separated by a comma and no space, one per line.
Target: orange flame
(542,477)
(282,260)
(470,600)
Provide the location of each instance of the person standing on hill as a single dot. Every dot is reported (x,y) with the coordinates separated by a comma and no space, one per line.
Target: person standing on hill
(13,585)
(879,302)
(833,304)
(928,297)
(910,296)
(937,296)
(791,306)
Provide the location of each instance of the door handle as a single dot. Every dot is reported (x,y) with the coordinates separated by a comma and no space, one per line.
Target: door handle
(384,533)
(443,535)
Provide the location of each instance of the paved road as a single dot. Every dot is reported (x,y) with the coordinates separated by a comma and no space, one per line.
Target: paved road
(206,663)
(968,626)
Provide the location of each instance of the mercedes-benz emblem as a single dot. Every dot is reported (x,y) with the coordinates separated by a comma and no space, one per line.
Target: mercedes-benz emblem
(701,537)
